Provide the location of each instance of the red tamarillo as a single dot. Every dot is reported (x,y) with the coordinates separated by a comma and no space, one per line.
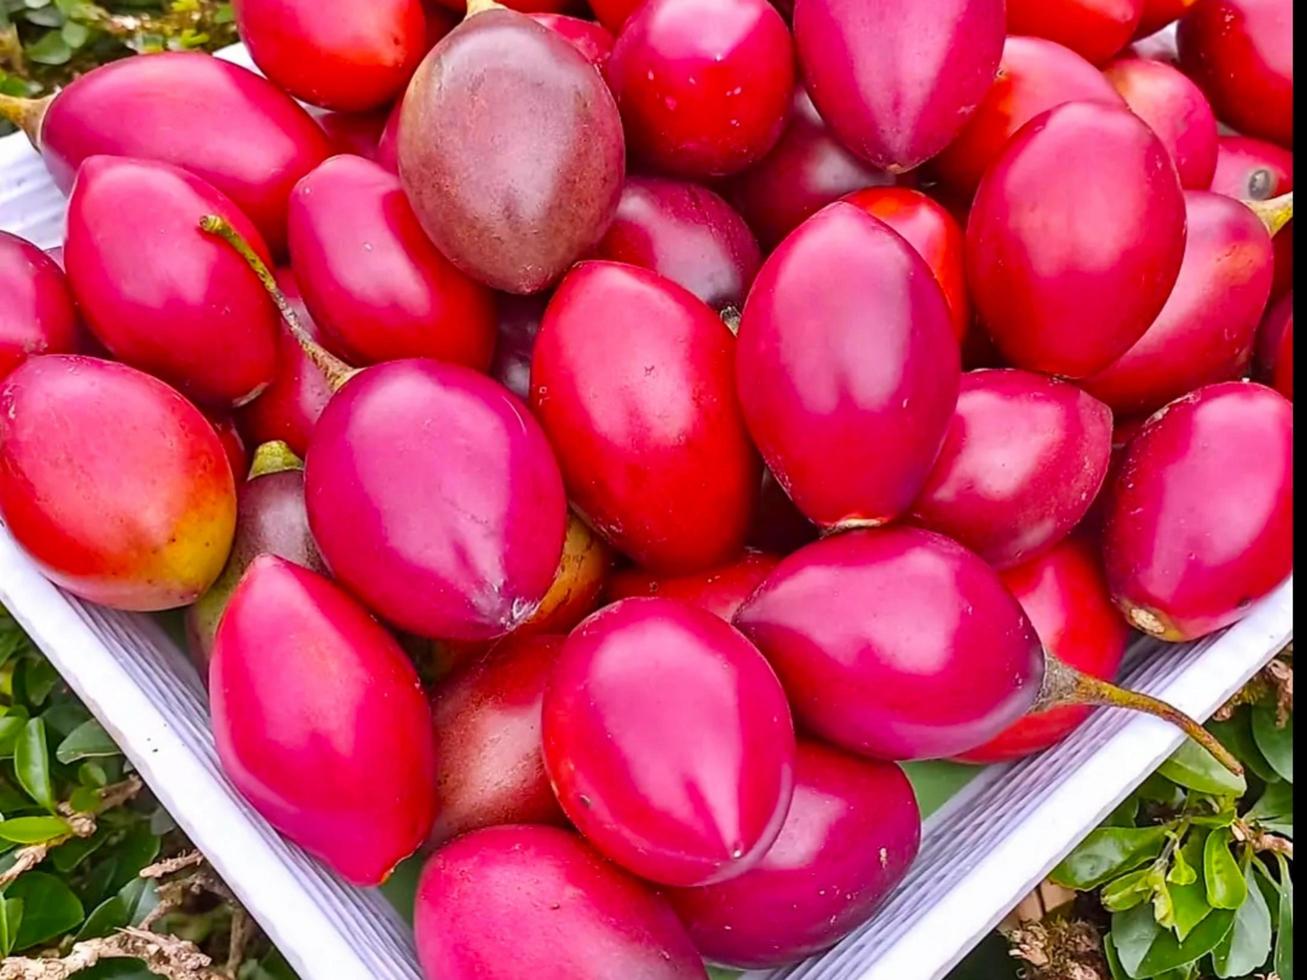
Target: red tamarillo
(39,315)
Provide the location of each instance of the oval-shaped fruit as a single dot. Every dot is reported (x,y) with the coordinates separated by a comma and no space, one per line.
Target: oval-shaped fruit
(521,901)
(336,54)
(1275,346)
(1094,29)
(933,232)
(1241,53)
(371,277)
(896,643)
(849,436)
(320,722)
(668,742)
(1064,593)
(703,85)
(518,324)
(574,593)
(387,154)
(221,122)
(806,170)
(158,292)
(358,133)
(38,315)
(84,445)
(1023,460)
(489,768)
(593,40)
(270,520)
(1035,75)
(687,234)
(289,407)
(510,150)
(233,444)
(633,382)
(613,14)
(434,497)
(1175,109)
(1159,13)
(778,526)
(1204,333)
(721,591)
(896,79)
(1199,522)
(1251,169)
(1075,239)
(852,831)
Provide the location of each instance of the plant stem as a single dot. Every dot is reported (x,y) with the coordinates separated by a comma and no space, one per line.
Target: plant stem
(1275,213)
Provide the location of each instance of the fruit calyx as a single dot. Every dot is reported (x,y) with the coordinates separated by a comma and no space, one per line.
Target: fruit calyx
(26,114)
(336,371)
(1275,213)
(1065,686)
(273,457)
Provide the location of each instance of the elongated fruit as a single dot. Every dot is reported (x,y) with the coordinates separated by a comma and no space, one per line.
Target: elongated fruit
(320,721)
(221,122)
(84,445)
(721,591)
(852,831)
(668,742)
(593,40)
(525,901)
(577,585)
(159,293)
(38,315)
(1072,251)
(1274,361)
(894,110)
(510,150)
(1255,170)
(850,437)
(632,379)
(1095,29)
(336,54)
(1175,109)
(1199,523)
(371,277)
(1023,460)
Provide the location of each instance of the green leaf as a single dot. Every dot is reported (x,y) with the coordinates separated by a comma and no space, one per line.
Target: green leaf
(63,717)
(75,34)
(107,917)
(11,801)
(1236,734)
(1182,872)
(1193,767)
(1133,934)
(32,763)
(1124,814)
(50,49)
(1276,743)
(49,908)
(1248,943)
(11,726)
(1283,962)
(11,917)
(1189,906)
(1127,891)
(88,741)
(34,830)
(1226,888)
(68,856)
(1157,789)
(1108,852)
(1166,952)
(39,679)
(1274,804)
(1110,954)
(273,966)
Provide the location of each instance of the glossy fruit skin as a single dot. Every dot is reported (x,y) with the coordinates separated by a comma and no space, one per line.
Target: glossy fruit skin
(1094,29)
(221,122)
(372,278)
(633,381)
(778,526)
(1275,346)
(896,643)
(1053,303)
(387,154)
(338,54)
(703,85)
(852,832)
(577,585)
(720,591)
(1241,53)
(1158,13)
(233,444)
(486,720)
(613,14)
(1035,75)
(1023,460)
(686,233)
(38,315)
(1064,592)
(1199,523)
(1205,332)
(270,520)
(851,439)
(527,901)
(82,443)
(161,294)
(358,133)
(320,722)
(525,6)
(593,40)
(933,232)
(559,153)
(668,741)
(1252,169)
(518,324)
(1175,109)
(451,528)
(896,111)
(289,407)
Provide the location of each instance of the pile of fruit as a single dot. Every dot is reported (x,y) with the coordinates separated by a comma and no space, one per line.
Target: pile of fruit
(665,385)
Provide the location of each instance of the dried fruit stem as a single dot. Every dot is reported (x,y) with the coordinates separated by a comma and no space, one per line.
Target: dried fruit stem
(1275,213)
(26,114)
(164,956)
(336,371)
(274,457)
(475,7)
(1064,686)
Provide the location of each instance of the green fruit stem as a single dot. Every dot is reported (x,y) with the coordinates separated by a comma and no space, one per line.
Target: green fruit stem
(274,457)
(26,114)
(1064,686)
(336,371)
(1275,213)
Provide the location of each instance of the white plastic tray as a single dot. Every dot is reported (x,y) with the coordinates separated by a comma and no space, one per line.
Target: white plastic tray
(980,853)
